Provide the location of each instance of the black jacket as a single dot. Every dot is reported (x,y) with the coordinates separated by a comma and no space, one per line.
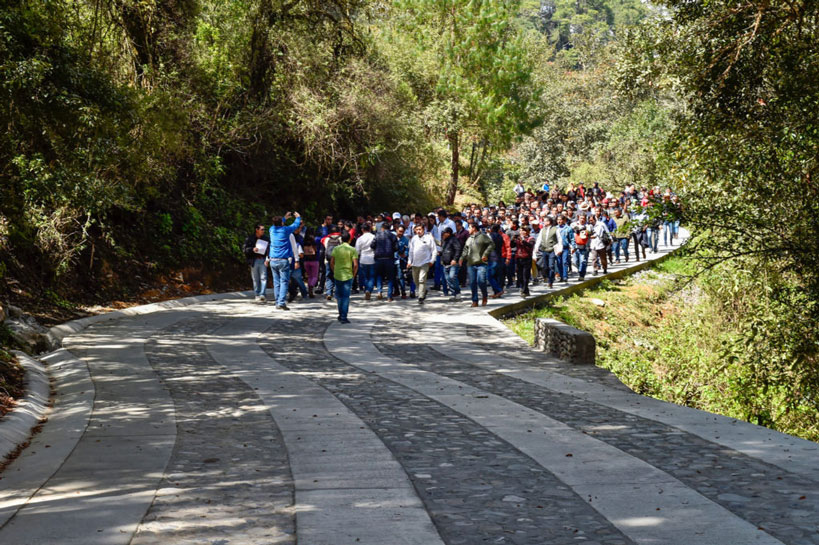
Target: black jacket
(450,250)
(250,243)
(385,245)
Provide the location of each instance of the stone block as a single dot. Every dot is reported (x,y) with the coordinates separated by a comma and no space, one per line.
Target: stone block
(564,342)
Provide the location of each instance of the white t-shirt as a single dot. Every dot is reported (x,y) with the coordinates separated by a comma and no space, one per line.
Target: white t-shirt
(597,241)
(366,255)
(421,250)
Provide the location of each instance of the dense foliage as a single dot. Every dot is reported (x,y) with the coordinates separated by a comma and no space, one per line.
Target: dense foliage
(143,136)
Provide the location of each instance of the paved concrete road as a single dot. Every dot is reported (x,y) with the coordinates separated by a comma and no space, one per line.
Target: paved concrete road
(226,422)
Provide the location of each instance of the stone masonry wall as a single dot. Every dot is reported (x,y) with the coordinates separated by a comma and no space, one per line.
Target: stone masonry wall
(564,342)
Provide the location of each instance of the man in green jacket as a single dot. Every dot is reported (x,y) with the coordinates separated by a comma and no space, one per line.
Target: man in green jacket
(476,253)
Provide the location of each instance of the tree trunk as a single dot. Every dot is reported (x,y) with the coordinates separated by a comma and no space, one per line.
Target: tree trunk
(453,180)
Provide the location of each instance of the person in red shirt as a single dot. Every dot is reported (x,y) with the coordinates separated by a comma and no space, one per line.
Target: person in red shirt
(523,259)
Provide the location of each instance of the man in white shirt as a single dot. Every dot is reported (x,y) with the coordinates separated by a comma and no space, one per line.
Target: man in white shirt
(422,253)
(442,223)
(600,238)
(366,260)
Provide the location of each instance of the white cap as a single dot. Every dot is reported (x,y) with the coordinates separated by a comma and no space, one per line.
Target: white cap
(396,215)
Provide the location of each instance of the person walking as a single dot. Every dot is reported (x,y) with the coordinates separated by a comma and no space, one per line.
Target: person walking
(565,236)
(422,252)
(450,255)
(403,272)
(620,235)
(384,247)
(366,260)
(523,259)
(580,247)
(600,239)
(344,264)
(311,264)
(255,253)
(280,253)
(476,256)
(296,270)
(547,241)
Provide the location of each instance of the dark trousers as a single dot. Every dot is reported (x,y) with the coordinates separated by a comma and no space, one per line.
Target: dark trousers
(509,272)
(385,270)
(524,265)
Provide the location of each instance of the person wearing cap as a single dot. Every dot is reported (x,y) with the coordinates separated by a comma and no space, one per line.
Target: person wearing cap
(422,252)
(450,255)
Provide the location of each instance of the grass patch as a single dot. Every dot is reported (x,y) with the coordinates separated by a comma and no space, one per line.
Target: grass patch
(664,336)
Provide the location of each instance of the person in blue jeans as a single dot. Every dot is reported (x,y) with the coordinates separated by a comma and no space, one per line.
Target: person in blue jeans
(257,261)
(580,247)
(404,278)
(566,235)
(344,263)
(476,254)
(280,254)
(450,255)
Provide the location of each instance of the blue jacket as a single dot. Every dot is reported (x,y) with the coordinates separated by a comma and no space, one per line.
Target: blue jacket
(566,236)
(280,240)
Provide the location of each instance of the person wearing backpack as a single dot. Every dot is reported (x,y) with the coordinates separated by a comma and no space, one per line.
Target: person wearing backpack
(600,239)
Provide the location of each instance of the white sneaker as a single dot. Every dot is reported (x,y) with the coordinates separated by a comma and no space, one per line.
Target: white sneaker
(262,299)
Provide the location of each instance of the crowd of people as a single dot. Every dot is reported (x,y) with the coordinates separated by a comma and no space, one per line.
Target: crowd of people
(549,235)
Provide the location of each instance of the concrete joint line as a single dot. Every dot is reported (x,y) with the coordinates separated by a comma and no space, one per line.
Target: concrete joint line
(787,452)
(385,504)
(125,461)
(645,503)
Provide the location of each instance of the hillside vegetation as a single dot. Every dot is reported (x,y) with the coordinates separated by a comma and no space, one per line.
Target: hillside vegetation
(142,139)
(677,339)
